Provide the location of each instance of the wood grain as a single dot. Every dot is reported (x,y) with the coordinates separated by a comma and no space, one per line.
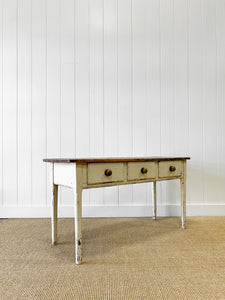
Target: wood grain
(111,159)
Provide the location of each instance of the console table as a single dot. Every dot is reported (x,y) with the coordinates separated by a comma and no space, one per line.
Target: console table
(80,174)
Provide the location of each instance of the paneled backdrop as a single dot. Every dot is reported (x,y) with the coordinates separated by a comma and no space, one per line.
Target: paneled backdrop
(91,78)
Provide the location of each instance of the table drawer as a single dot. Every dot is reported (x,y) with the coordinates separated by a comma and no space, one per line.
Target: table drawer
(170,168)
(105,172)
(142,170)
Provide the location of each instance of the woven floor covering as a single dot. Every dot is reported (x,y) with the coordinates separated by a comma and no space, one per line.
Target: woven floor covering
(123,258)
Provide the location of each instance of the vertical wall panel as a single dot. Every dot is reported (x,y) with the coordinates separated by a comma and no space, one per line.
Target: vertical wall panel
(139,89)
(1,102)
(96,79)
(96,88)
(220,66)
(10,108)
(67,79)
(67,88)
(110,78)
(53,49)
(82,82)
(82,78)
(110,90)
(125,139)
(181,107)
(181,78)
(53,77)
(153,86)
(167,90)
(153,72)
(195,50)
(139,76)
(209,94)
(38,99)
(24,103)
(167,78)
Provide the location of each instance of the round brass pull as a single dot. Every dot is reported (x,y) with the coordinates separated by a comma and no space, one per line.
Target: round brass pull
(108,172)
(172,168)
(144,170)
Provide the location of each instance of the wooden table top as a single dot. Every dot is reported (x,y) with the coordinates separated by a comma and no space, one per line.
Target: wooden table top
(112,159)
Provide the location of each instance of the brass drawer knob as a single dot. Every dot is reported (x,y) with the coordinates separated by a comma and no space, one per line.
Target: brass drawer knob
(108,172)
(172,168)
(144,170)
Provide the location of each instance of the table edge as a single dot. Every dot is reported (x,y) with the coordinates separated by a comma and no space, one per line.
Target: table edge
(111,159)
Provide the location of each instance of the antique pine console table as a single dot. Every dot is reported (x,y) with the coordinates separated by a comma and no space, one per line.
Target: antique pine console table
(86,173)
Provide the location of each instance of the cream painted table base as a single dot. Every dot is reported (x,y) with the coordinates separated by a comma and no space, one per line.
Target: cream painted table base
(80,174)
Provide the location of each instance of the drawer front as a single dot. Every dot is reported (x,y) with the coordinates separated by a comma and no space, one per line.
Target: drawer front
(142,170)
(105,172)
(170,168)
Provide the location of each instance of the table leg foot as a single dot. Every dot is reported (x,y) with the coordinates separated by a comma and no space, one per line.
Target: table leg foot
(78,260)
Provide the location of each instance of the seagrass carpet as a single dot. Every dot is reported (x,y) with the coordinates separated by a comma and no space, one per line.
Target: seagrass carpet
(123,258)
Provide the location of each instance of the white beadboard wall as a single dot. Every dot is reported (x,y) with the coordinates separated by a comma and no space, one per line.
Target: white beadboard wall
(91,78)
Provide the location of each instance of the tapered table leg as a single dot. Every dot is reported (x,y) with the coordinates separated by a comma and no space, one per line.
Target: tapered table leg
(183,197)
(54,201)
(77,223)
(154,200)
